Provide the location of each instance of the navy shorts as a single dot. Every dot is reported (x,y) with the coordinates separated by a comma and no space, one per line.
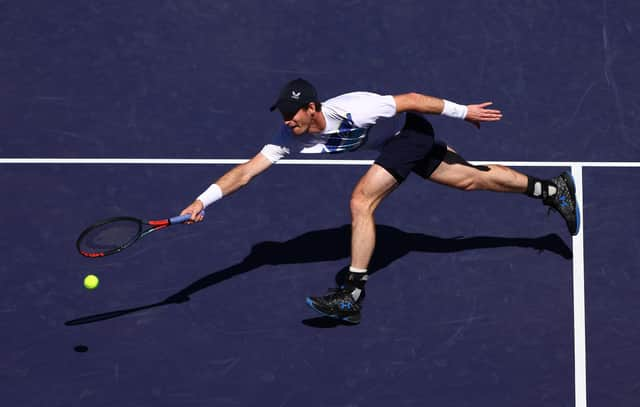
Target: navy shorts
(414,149)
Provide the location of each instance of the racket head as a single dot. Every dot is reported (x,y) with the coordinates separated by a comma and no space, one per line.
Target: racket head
(109,236)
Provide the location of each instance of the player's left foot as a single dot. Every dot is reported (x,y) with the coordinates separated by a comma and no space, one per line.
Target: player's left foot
(339,304)
(564,201)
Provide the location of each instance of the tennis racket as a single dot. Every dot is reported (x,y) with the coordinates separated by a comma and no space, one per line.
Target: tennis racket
(113,235)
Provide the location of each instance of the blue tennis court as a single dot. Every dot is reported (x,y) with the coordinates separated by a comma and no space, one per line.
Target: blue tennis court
(475,298)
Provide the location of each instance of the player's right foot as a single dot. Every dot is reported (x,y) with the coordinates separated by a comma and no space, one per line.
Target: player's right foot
(564,201)
(339,304)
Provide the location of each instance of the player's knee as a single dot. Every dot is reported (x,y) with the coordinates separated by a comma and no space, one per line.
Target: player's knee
(468,185)
(473,182)
(359,204)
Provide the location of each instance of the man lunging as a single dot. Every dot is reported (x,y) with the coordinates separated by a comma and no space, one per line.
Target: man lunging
(394,126)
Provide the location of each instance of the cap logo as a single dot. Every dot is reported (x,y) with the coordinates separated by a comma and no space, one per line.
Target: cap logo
(295,95)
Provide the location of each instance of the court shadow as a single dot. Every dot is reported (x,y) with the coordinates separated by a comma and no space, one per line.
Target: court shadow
(334,244)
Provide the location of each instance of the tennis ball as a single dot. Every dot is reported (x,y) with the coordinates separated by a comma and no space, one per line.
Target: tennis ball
(91,282)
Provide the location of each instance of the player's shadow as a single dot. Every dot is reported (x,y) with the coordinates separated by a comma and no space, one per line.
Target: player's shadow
(334,244)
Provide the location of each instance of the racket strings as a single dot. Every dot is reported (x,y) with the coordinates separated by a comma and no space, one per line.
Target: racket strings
(110,236)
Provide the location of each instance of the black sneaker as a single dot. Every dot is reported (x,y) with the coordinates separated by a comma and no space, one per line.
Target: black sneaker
(564,201)
(338,304)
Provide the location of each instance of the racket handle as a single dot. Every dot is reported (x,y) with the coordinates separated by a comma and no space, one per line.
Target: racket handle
(181,218)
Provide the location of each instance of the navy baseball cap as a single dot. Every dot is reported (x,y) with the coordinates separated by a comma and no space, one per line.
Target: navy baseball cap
(294,95)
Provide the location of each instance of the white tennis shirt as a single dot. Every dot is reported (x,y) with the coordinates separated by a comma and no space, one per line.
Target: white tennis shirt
(353,121)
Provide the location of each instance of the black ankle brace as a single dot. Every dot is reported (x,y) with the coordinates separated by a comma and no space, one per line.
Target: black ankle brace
(538,188)
(356,280)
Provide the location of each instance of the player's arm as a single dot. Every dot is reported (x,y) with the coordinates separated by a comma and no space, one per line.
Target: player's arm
(242,174)
(417,102)
(229,183)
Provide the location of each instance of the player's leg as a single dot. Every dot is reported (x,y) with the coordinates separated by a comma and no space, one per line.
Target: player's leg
(557,193)
(454,171)
(345,302)
(397,159)
(372,188)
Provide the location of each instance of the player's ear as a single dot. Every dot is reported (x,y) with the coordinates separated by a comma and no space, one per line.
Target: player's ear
(312,106)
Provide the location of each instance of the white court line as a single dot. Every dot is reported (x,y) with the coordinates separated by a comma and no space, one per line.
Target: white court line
(201,161)
(579,332)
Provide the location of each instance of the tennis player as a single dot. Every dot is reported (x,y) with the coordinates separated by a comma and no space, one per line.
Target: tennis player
(394,126)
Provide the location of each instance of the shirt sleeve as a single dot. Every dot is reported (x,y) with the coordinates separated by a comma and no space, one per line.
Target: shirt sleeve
(280,145)
(365,107)
(274,152)
(385,106)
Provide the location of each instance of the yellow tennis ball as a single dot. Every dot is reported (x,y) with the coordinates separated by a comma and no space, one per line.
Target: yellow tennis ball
(91,282)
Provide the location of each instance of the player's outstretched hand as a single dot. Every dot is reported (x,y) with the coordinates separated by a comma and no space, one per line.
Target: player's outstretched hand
(195,210)
(479,113)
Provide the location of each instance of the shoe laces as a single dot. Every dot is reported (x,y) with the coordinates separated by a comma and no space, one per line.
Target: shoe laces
(339,292)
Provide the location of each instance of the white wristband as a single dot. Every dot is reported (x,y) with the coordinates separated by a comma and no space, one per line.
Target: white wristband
(454,110)
(212,194)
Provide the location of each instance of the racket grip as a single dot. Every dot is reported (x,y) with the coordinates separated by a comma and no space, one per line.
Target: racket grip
(181,218)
